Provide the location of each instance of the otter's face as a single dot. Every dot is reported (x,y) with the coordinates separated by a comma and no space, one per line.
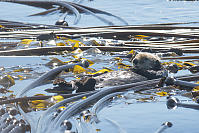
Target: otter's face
(146,61)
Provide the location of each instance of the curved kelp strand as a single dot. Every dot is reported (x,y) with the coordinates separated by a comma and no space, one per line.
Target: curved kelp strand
(79,106)
(49,5)
(101,12)
(63,5)
(43,79)
(100,104)
(93,14)
(73,9)
(44,119)
(39,3)
(29,119)
(45,12)
(48,76)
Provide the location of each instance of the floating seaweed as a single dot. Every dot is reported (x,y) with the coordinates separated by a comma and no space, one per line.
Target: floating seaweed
(66,113)
(67,7)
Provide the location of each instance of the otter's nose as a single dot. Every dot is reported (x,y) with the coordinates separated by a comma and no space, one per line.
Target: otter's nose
(135,61)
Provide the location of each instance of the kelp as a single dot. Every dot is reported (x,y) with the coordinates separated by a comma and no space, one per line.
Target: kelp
(173,103)
(70,7)
(73,104)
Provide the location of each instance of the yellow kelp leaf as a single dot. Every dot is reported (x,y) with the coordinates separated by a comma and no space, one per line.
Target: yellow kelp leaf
(58,37)
(76,45)
(119,96)
(101,71)
(145,99)
(178,64)
(66,62)
(18,70)
(78,69)
(188,64)
(1,26)
(60,44)
(84,97)
(61,38)
(26,41)
(96,43)
(122,65)
(165,63)
(98,130)
(73,41)
(118,59)
(74,56)
(79,59)
(7,81)
(12,81)
(58,98)
(10,91)
(195,89)
(35,102)
(39,95)
(77,51)
(162,93)
(132,52)
(62,107)
(41,105)
(140,37)
(20,77)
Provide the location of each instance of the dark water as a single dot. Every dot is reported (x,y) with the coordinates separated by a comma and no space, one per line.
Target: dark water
(132,117)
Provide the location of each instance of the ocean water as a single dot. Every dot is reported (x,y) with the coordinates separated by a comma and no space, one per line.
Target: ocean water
(130,115)
(134,12)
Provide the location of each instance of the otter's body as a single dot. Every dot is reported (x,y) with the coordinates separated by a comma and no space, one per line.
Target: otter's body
(145,66)
(118,78)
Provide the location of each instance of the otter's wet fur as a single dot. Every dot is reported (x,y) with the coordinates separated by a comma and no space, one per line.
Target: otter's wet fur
(144,66)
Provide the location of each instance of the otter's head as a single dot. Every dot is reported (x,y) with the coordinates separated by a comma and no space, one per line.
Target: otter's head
(146,61)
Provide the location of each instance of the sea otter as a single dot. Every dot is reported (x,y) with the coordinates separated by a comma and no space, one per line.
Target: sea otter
(145,66)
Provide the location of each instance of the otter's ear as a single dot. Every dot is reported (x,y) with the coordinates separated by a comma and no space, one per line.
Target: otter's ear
(157,65)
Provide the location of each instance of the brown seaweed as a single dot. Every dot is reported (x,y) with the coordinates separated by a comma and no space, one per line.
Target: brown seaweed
(68,7)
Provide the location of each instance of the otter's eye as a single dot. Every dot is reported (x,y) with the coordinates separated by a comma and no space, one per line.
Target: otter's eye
(135,61)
